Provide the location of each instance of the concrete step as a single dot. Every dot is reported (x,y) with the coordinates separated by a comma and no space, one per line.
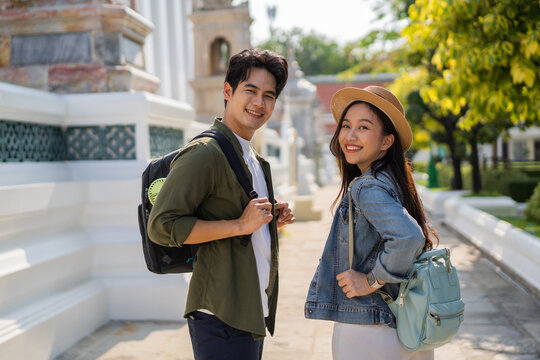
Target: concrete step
(51,324)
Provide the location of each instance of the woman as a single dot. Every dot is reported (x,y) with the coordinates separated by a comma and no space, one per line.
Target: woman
(390,228)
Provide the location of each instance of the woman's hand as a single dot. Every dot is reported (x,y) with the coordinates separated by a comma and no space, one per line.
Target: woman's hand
(354,283)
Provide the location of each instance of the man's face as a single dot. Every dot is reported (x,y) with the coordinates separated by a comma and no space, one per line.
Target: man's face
(251,105)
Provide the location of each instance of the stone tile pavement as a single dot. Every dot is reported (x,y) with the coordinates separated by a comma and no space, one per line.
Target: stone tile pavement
(501,321)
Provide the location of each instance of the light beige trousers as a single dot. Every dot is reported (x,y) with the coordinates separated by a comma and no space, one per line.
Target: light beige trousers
(356,342)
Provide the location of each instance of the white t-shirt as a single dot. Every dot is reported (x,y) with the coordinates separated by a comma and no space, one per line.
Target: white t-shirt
(261,238)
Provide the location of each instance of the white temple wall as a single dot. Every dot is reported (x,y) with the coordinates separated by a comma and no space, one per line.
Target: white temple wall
(70,253)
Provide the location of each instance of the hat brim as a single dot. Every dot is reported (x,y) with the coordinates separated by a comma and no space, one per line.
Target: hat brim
(348,95)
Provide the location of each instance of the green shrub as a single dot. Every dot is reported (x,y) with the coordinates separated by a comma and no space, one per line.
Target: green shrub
(498,180)
(522,190)
(420,166)
(444,174)
(532,211)
(533,173)
(466,172)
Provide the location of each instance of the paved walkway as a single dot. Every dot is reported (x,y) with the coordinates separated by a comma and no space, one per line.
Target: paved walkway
(501,322)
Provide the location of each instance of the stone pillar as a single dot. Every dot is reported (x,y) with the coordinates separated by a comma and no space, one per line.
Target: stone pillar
(293,160)
(219,31)
(299,120)
(74,47)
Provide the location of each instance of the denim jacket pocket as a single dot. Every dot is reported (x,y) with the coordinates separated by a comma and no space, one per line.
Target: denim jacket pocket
(343,211)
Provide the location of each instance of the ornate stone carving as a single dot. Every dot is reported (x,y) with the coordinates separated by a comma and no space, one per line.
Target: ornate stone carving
(74,46)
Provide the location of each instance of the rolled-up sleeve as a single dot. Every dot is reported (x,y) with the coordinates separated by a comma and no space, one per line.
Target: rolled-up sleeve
(402,237)
(190,180)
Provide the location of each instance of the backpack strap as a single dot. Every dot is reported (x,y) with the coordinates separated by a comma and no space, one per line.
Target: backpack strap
(351,225)
(233,160)
(236,166)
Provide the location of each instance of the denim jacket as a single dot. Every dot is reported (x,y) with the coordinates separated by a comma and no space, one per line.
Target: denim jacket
(386,240)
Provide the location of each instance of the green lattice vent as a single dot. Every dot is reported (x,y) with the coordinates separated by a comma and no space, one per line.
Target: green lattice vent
(24,141)
(115,142)
(21,141)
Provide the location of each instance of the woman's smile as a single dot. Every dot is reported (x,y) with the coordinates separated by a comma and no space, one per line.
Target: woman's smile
(352,148)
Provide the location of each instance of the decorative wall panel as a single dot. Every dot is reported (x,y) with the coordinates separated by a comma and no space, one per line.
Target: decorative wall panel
(21,141)
(24,141)
(115,142)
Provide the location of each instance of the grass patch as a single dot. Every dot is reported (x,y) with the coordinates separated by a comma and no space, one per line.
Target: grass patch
(531,227)
(442,188)
(484,193)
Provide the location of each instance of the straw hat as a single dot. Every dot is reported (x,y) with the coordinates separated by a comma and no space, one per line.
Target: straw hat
(382,99)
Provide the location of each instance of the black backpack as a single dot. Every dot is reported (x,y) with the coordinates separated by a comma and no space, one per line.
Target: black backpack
(172,260)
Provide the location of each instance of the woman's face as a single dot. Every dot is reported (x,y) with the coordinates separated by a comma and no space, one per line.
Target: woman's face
(361,137)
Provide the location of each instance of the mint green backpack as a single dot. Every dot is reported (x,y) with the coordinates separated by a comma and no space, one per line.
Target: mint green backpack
(429,308)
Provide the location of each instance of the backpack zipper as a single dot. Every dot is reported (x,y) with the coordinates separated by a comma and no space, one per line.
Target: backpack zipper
(439,317)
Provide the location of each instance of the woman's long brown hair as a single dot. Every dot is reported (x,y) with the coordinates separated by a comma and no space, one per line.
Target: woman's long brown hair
(396,165)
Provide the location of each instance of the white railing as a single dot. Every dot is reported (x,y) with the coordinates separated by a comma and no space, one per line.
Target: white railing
(513,248)
(510,246)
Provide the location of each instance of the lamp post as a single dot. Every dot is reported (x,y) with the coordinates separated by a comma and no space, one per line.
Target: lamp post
(432,169)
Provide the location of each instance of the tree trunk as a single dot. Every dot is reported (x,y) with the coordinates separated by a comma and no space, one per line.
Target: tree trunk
(495,155)
(473,141)
(457,181)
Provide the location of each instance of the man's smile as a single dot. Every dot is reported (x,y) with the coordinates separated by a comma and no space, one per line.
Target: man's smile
(254,113)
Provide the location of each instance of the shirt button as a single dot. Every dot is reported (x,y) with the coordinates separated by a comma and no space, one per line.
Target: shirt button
(314,284)
(310,311)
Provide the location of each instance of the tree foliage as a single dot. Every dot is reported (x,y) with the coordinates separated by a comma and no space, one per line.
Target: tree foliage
(315,53)
(487,53)
(318,55)
(482,58)
(424,116)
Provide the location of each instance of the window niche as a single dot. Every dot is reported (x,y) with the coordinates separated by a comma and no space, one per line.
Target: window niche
(220,51)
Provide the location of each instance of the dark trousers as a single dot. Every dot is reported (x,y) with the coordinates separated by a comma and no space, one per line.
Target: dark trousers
(212,339)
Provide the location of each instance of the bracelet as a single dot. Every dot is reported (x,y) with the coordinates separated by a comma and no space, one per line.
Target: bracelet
(372,281)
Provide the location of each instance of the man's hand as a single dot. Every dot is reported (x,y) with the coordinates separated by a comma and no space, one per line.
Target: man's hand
(354,283)
(284,214)
(256,214)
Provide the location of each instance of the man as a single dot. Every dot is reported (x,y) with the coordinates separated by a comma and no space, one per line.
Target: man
(233,290)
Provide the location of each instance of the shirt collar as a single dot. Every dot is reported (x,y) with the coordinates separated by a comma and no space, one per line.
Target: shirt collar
(246,144)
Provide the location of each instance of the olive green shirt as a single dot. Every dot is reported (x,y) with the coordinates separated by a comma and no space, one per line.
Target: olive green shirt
(202,185)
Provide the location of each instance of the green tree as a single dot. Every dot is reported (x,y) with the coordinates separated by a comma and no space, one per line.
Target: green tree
(316,54)
(441,126)
(486,57)
(376,52)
